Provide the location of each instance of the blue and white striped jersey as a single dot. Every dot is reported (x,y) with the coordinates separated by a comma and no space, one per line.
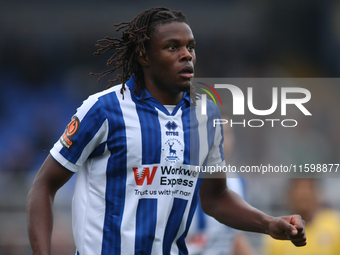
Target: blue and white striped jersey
(136,188)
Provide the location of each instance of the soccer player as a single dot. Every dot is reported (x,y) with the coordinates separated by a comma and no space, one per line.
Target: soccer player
(136,191)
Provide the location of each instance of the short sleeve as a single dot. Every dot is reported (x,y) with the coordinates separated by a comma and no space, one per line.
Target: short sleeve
(85,135)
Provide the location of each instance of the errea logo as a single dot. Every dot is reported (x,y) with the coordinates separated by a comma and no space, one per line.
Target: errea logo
(171,126)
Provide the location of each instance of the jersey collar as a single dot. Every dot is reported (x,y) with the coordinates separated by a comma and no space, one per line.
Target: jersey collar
(131,84)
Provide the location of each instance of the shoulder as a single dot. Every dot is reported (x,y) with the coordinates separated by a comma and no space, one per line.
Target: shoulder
(97,104)
(109,96)
(115,90)
(211,108)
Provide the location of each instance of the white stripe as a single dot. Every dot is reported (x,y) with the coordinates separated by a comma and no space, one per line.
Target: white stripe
(202,134)
(134,158)
(163,213)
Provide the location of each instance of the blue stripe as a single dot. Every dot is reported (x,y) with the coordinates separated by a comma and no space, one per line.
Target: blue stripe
(184,104)
(186,122)
(191,140)
(151,140)
(210,127)
(146,219)
(115,176)
(173,224)
(244,187)
(98,151)
(88,127)
(201,218)
(181,241)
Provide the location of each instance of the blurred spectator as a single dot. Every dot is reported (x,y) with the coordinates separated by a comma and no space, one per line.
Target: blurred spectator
(322,223)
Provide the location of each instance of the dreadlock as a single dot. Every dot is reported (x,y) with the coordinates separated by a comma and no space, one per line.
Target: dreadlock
(132,43)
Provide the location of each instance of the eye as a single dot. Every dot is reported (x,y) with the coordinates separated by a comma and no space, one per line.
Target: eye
(191,48)
(172,47)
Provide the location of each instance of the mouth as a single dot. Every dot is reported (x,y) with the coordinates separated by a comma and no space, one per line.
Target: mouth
(187,72)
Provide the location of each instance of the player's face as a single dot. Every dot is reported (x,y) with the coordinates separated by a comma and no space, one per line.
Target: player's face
(170,59)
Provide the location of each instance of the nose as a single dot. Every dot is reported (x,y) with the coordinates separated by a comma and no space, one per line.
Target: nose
(186,55)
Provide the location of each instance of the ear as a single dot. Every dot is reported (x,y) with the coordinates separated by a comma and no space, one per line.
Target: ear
(143,59)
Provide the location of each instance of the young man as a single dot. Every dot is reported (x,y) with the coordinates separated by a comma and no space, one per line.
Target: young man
(130,146)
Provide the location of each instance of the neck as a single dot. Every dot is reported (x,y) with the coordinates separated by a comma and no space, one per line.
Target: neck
(165,97)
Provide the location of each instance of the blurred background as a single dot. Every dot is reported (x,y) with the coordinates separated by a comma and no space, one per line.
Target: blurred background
(46,55)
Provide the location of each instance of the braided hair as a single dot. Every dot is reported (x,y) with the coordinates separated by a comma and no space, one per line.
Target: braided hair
(132,43)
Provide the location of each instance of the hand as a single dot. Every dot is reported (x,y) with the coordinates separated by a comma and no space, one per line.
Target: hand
(288,228)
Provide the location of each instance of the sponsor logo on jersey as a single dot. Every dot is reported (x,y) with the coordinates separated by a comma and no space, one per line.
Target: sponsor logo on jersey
(171,126)
(70,131)
(181,172)
(169,176)
(141,175)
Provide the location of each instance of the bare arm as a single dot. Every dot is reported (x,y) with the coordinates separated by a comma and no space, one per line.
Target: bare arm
(230,209)
(49,179)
